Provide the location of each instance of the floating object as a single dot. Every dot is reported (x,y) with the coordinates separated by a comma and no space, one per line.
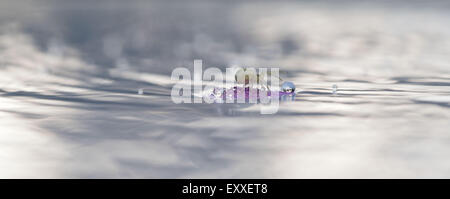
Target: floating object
(288,87)
(140,91)
(246,76)
(249,93)
(335,89)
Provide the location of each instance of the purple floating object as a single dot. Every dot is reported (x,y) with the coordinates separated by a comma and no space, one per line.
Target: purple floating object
(250,93)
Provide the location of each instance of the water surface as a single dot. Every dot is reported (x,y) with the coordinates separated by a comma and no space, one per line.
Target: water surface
(70,74)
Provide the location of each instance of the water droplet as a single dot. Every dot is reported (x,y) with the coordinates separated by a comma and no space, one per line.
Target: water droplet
(335,89)
(217,92)
(288,87)
(140,91)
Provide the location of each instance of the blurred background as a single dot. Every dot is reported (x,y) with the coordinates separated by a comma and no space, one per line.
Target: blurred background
(70,72)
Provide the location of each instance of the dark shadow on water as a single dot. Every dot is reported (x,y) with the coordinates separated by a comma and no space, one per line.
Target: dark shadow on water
(34,95)
(441,104)
(431,81)
(25,114)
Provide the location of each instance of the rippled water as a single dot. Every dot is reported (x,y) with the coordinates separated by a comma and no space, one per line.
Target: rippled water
(69,106)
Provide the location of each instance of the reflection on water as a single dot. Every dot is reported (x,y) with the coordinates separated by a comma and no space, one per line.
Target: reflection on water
(66,111)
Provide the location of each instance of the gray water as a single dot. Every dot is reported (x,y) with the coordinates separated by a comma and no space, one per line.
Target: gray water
(70,74)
